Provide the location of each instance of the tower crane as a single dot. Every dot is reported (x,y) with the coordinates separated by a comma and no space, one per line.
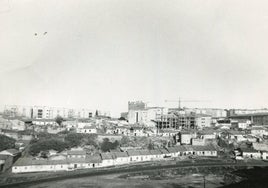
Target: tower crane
(180,101)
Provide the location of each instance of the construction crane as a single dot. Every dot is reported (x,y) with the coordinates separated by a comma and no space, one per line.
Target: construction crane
(180,101)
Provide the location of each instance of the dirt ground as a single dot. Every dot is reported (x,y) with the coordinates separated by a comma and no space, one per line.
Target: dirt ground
(114,181)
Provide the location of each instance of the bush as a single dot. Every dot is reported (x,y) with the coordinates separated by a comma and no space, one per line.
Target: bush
(6,142)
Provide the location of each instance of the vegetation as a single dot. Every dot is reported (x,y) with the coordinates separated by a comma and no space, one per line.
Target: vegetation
(42,136)
(106,145)
(76,139)
(59,120)
(122,119)
(45,145)
(6,142)
(46,141)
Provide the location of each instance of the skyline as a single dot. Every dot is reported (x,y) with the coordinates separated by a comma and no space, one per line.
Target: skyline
(102,54)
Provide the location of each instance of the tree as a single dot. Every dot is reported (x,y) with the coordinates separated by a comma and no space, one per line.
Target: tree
(125,141)
(59,120)
(150,146)
(106,145)
(73,139)
(6,142)
(97,113)
(45,145)
(122,119)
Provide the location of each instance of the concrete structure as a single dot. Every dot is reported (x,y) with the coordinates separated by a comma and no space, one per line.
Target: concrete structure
(186,137)
(46,112)
(213,112)
(203,121)
(255,118)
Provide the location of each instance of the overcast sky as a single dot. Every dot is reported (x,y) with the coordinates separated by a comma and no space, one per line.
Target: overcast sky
(104,53)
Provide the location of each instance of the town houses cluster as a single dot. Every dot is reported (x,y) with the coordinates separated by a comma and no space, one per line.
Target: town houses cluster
(142,134)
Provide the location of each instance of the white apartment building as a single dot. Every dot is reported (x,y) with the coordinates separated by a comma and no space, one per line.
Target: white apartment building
(146,115)
(47,112)
(213,112)
(203,121)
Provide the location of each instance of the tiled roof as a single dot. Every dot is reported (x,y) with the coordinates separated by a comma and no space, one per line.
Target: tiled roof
(155,152)
(144,152)
(172,150)
(133,152)
(106,156)
(164,151)
(119,154)
(93,158)
(249,150)
(76,152)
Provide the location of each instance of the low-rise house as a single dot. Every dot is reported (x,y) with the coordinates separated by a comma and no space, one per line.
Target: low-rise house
(110,130)
(137,131)
(208,134)
(250,153)
(168,133)
(18,124)
(134,156)
(251,138)
(145,155)
(111,138)
(107,159)
(243,123)
(21,144)
(27,137)
(165,153)
(186,137)
(87,130)
(181,150)
(120,158)
(122,130)
(174,152)
(94,161)
(52,152)
(237,135)
(81,125)
(10,133)
(258,131)
(44,122)
(76,153)
(11,152)
(198,142)
(23,165)
(156,154)
(55,130)
(260,146)
(57,157)
(42,165)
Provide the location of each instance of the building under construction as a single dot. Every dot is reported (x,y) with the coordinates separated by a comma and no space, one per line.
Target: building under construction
(176,121)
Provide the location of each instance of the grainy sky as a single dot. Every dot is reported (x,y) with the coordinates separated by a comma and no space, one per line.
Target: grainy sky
(103,53)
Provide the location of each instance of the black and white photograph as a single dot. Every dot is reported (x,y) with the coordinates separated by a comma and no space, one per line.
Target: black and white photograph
(133,94)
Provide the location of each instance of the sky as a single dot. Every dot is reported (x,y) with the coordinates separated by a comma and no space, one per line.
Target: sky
(100,54)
